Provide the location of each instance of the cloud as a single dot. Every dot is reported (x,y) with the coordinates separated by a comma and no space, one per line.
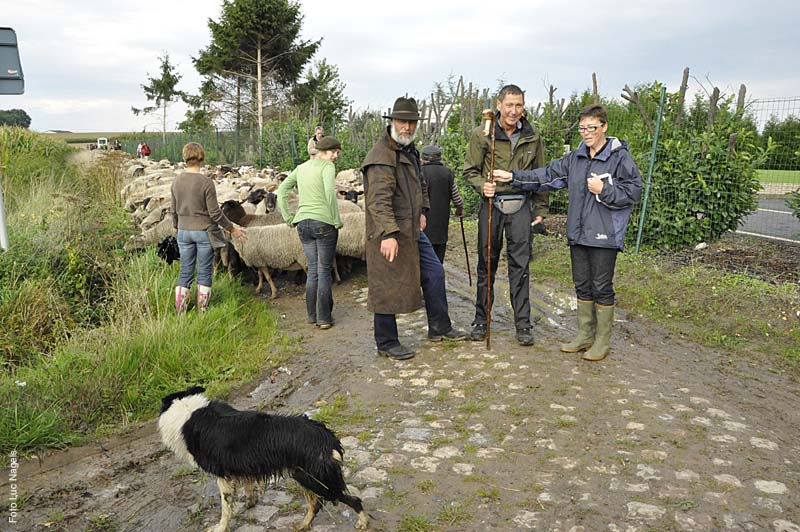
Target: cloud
(85,61)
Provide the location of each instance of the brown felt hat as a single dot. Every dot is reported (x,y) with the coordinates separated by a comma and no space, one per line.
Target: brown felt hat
(328,143)
(404,109)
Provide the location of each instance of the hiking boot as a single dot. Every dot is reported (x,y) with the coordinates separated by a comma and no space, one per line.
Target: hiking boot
(325,326)
(398,352)
(524,336)
(453,334)
(478,332)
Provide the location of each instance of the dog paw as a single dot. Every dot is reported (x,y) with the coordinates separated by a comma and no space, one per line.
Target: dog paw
(362,523)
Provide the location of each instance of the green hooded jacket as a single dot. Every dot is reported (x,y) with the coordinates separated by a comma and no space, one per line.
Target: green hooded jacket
(527,155)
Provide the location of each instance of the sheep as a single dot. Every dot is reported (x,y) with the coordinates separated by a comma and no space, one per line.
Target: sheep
(351,236)
(271,246)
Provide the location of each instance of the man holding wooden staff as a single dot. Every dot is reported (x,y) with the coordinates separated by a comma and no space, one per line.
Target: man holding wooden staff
(518,146)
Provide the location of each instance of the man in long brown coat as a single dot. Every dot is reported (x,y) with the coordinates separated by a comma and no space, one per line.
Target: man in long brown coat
(400,258)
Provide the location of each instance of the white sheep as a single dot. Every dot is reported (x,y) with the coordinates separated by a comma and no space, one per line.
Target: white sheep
(271,246)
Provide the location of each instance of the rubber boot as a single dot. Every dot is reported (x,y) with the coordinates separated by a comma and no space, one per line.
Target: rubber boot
(605,321)
(587,325)
(181,299)
(203,297)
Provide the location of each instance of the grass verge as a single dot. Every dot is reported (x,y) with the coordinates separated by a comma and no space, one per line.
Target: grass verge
(104,379)
(709,306)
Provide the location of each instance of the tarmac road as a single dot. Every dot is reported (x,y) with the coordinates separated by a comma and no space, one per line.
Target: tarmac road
(773,220)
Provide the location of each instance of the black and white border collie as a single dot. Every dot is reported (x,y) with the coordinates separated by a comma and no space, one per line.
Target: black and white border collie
(250,446)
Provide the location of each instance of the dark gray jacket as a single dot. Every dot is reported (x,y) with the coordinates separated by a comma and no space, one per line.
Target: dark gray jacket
(596,221)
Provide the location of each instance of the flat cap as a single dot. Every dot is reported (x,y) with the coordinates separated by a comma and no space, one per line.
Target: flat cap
(328,143)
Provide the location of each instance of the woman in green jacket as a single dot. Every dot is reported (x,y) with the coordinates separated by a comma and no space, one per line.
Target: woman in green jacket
(318,223)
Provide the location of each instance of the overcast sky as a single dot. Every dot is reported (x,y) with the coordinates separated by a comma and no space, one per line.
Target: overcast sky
(85,61)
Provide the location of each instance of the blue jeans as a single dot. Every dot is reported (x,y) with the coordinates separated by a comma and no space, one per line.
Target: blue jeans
(319,243)
(195,247)
(432,281)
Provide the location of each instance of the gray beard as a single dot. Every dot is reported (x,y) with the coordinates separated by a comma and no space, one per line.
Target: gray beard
(396,137)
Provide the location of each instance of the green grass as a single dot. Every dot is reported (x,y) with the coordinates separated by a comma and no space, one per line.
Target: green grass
(779,176)
(116,375)
(712,307)
(89,340)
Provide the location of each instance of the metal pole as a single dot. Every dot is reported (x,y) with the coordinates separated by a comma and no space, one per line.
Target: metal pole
(650,169)
(3,231)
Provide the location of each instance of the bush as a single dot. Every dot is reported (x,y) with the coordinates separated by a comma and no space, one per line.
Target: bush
(704,181)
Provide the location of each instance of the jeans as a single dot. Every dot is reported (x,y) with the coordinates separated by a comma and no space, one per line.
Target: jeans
(593,273)
(319,243)
(195,247)
(433,288)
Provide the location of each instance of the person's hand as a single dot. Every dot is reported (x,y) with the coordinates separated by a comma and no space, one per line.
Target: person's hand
(389,249)
(239,233)
(502,176)
(595,184)
(488,189)
(537,220)
(423,222)
(459,213)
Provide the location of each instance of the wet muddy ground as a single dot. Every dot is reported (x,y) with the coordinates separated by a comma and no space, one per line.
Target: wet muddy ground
(662,435)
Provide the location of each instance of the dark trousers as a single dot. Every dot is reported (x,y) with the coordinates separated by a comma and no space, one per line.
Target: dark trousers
(440,250)
(319,243)
(517,230)
(432,281)
(593,273)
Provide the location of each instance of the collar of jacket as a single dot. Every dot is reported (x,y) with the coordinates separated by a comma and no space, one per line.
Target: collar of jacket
(612,144)
(500,133)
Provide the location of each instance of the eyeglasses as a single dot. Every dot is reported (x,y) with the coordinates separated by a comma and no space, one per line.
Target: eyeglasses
(589,129)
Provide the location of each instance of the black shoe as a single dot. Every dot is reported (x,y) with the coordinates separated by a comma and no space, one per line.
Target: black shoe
(478,332)
(524,336)
(398,352)
(453,334)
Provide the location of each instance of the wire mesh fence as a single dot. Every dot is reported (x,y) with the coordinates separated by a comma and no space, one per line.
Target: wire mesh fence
(778,124)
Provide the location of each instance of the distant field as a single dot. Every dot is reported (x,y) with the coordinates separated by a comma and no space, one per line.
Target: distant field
(779,176)
(84,137)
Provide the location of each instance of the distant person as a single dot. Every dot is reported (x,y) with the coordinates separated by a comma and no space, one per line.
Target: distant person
(139,149)
(318,223)
(146,150)
(518,145)
(604,183)
(319,132)
(195,212)
(400,257)
(442,189)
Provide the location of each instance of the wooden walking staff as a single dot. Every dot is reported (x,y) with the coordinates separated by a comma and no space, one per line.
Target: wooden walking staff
(488,131)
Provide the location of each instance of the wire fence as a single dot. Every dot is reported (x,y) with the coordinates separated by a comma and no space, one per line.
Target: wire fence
(779,174)
(719,165)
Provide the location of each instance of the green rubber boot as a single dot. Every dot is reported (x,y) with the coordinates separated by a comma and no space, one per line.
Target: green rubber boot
(605,321)
(587,324)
